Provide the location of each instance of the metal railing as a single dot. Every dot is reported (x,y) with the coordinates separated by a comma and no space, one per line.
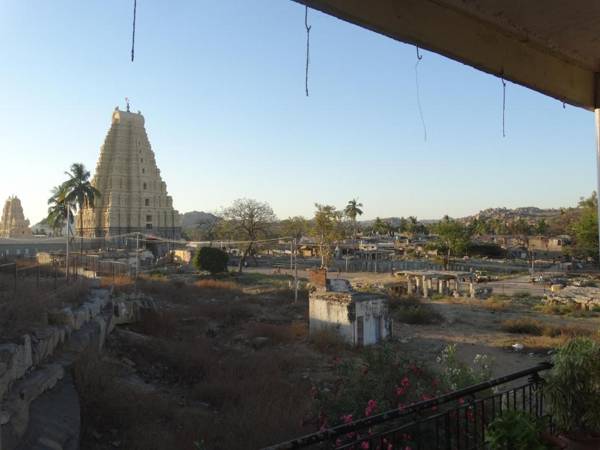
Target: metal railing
(454,421)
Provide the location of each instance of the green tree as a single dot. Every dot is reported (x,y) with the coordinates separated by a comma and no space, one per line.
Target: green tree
(57,211)
(248,220)
(211,259)
(327,229)
(352,211)
(541,227)
(454,237)
(585,228)
(79,192)
(296,227)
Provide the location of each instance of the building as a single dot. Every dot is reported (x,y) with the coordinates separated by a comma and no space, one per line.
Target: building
(13,223)
(360,318)
(133,195)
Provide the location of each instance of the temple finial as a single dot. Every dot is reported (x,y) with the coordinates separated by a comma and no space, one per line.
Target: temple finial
(127,102)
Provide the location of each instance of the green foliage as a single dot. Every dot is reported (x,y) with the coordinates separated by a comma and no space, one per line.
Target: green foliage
(453,235)
(514,430)
(490,250)
(585,228)
(327,229)
(211,259)
(375,376)
(411,310)
(573,386)
(456,375)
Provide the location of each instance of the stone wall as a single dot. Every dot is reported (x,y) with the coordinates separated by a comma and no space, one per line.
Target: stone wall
(35,369)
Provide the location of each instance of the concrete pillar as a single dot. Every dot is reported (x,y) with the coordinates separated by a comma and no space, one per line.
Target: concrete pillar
(426,283)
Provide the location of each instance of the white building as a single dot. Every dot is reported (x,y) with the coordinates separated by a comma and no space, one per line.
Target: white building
(360,318)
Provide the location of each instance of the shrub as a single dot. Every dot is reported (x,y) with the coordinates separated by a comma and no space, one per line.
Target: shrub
(514,430)
(573,387)
(411,310)
(538,328)
(327,340)
(211,259)
(456,375)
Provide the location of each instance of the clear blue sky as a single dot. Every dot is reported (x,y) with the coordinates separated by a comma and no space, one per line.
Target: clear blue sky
(221,84)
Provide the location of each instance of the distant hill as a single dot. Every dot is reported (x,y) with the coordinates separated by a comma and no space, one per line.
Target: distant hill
(526,212)
(194,219)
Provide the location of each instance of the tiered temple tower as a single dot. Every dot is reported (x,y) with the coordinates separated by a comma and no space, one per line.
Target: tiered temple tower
(13,223)
(133,195)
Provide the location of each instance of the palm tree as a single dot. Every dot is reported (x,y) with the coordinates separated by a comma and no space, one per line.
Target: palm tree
(57,210)
(79,192)
(353,210)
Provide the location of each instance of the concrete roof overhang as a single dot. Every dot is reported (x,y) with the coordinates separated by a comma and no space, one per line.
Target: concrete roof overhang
(551,46)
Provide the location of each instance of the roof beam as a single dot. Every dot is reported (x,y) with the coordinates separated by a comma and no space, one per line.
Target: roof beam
(440,28)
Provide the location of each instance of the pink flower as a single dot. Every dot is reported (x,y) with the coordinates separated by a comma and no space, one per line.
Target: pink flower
(338,442)
(405,382)
(364,445)
(400,390)
(347,418)
(371,407)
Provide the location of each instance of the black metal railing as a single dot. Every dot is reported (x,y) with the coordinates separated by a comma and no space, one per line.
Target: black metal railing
(453,421)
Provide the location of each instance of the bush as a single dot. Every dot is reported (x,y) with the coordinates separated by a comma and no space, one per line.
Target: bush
(211,259)
(456,375)
(514,430)
(573,387)
(538,328)
(412,311)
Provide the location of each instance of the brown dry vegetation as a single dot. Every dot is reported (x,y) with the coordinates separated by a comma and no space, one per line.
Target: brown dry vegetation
(27,306)
(221,362)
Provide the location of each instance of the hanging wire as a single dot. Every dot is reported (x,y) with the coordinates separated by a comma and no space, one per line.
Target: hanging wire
(503,106)
(307,48)
(419,58)
(133,35)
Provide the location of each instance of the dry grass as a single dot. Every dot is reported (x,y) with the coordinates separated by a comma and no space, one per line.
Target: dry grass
(411,310)
(277,333)
(328,340)
(538,328)
(28,307)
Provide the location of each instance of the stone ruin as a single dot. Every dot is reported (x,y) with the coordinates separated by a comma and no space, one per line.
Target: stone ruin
(359,318)
(587,298)
(13,223)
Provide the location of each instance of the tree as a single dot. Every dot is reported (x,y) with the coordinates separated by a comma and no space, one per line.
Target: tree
(248,220)
(211,259)
(541,227)
(454,236)
(57,211)
(352,210)
(296,227)
(327,229)
(585,228)
(78,191)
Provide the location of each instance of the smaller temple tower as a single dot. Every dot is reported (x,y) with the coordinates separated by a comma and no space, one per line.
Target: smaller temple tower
(13,223)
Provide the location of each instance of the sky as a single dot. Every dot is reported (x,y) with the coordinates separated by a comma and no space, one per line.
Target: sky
(221,86)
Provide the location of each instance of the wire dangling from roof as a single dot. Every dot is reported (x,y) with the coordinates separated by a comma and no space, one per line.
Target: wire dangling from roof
(419,58)
(133,34)
(503,106)
(308,28)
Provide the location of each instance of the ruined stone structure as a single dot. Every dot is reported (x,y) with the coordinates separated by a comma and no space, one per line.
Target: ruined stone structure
(133,195)
(360,318)
(13,223)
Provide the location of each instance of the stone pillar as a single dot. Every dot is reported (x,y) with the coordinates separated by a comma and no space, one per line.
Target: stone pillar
(429,283)
(426,283)
(417,285)
(442,286)
(471,290)
(409,285)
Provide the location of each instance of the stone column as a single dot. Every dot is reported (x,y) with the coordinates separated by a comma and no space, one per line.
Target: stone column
(442,286)
(429,283)
(409,285)
(417,285)
(471,290)
(426,283)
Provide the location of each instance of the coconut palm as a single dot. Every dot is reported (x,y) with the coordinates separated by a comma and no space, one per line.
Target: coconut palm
(352,210)
(57,210)
(79,192)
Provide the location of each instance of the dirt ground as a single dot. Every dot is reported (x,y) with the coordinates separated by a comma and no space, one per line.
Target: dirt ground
(229,364)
